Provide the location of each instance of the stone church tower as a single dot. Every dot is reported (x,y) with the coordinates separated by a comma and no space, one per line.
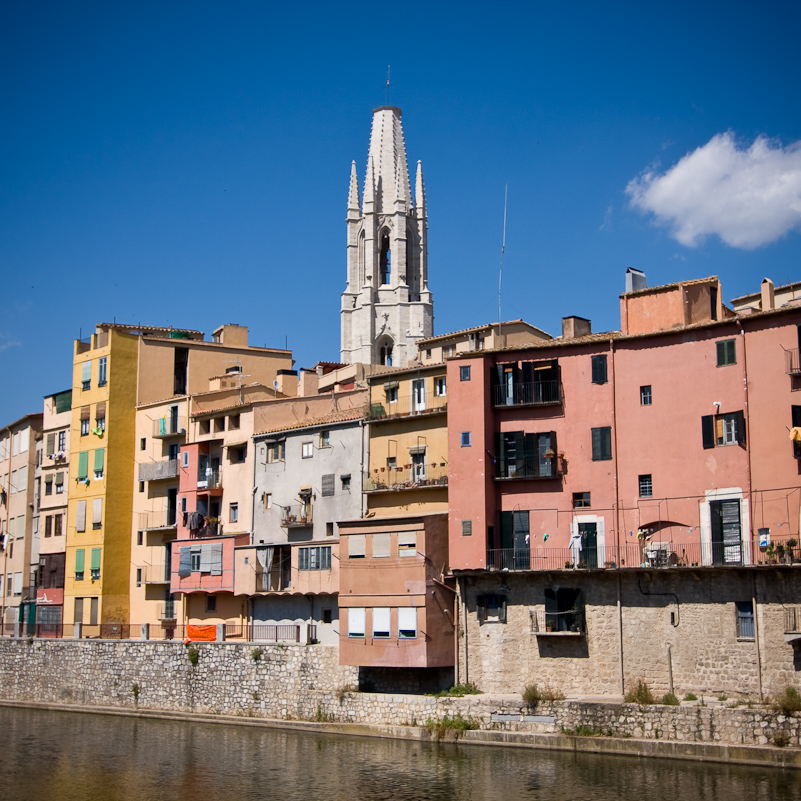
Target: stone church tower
(386,306)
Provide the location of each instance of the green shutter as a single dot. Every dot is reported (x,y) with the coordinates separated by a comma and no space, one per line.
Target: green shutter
(95,558)
(83,465)
(79,557)
(51,444)
(99,454)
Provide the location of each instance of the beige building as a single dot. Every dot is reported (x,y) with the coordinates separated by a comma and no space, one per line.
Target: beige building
(18,551)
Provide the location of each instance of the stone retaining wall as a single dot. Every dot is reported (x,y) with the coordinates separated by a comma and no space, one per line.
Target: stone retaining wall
(307,683)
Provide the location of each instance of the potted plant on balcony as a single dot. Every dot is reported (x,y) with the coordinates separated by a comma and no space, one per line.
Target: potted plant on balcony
(770,553)
(211,525)
(791,544)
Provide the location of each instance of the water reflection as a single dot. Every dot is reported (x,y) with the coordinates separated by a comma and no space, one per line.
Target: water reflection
(67,756)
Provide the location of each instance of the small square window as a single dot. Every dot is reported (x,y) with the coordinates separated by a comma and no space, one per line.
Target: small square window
(211,603)
(185,459)
(440,387)
(392,395)
(345,482)
(465,439)
(328,616)
(325,439)
(329,529)
(307,450)
(464,372)
(646,486)
(581,500)
(467,528)
(645,395)
(726,352)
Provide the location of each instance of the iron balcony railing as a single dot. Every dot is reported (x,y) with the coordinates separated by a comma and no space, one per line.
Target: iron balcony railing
(530,467)
(157,471)
(169,427)
(405,406)
(272,632)
(645,554)
(209,479)
(296,515)
(530,393)
(167,610)
(792,362)
(408,477)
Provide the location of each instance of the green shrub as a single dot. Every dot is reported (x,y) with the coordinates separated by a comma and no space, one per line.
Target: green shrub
(531,695)
(691,697)
(669,699)
(457,724)
(135,692)
(192,654)
(641,694)
(457,691)
(788,703)
(256,654)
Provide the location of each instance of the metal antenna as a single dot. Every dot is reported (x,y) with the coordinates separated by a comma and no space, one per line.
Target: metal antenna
(500,271)
(387,84)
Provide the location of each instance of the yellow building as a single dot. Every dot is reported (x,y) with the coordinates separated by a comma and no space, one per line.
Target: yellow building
(408,466)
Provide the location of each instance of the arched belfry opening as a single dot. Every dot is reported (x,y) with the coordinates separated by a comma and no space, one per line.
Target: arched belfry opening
(385,353)
(385,262)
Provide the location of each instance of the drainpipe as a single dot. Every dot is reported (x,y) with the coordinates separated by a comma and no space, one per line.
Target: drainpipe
(457,605)
(363,503)
(617,522)
(466,648)
(7,504)
(756,635)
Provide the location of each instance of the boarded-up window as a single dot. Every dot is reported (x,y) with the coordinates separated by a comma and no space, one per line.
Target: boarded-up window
(328,484)
(356,546)
(380,545)
(97,513)
(356,618)
(80,518)
(407,543)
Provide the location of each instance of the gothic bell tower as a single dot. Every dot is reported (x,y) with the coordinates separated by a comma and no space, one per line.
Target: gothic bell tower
(386,306)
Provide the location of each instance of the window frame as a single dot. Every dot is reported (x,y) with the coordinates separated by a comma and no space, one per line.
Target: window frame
(645,485)
(464,372)
(466,439)
(603,451)
(598,366)
(646,395)
(582,500)
(306,449)
(726,351)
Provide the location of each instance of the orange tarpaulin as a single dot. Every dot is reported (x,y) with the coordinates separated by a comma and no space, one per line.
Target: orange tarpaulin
(201,633)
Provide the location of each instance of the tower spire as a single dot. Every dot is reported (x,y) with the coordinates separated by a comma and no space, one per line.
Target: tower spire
(420,191)
(353,193)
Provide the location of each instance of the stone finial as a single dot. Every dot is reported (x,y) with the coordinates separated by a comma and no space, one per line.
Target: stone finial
(400,189)
(369,188)
(419,190)
(353,192)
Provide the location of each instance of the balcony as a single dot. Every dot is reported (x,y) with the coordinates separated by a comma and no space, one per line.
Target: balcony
(154,574)
(530,468)
(166,427)
(570,623)
(209,480)
(155,521)
(296,515)
(530,393)
(406,478)
(406,406)
(792,363)
(158,471)
(645,554)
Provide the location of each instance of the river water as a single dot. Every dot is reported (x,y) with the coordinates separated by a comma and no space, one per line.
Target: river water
(67,755)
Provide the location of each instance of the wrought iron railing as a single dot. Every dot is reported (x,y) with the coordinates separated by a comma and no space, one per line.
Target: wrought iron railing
(792,362)
(406,405)
(296,515)
(530,393)
(169,427)
(408,477)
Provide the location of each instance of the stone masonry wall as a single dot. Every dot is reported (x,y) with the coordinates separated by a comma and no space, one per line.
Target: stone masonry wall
(307,683)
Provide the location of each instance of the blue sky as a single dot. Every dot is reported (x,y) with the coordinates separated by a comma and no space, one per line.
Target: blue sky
(187,164)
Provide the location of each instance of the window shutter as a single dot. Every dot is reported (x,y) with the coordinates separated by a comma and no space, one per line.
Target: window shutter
(596,444)
(356,545)
(97,511)
(184,561)
(599,369)
(95,559)
(100,410)
(80,522)
(708,431)
(381,620)
(86,412)
(51,444)
(328,484)
(83,465)
(356,619)
(99,457)
(86,372)
(216,558)
(79,560)
(740,428)
(380,545)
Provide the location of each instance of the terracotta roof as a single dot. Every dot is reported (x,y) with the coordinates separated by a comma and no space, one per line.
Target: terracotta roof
(794,285)
(666,287)
(476,328)
(413,368)
(315,422)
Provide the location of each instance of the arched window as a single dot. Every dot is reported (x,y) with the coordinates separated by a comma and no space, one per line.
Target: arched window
(385,354)
(385,263)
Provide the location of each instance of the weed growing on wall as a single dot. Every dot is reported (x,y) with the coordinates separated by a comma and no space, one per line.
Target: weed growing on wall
(192,654)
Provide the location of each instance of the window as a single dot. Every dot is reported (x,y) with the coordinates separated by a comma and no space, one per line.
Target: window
(465,439)
(141,486)
(102,371)
(57,525)
(356,618)
(325,439)
(268,500)
(599,369)
(238,454)
(428,353)
(392,462)
(195,556)
(211,603)
(440,386)
(95,564)
(464,372)
(85,427)
(345,479)
(450,350)
(723,429)
(233,513)
(745,620)
(86,375)
(62,441)
(328,616)
(276,451)
(233,422)
(491,608)
(796,423)
(80,516)
(49,485)
(138,576)
(601,444)
(356,546)
(59,483)
(80,556)
(564,610)
(140,537)
(522,455)
(48,532)
(97,513)
(645,395)
(407,543)
(329,529)
(381,622)
(316,558)
(467,528)
(726,353)
(205,426)
(581,500)
(99,462)
(328,484)
(142,443)
(100,422)
(381,544)
(418,395)
(185,459)
(407,623)
(646,486)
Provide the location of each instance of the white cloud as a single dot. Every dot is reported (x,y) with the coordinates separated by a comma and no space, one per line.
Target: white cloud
(747,197)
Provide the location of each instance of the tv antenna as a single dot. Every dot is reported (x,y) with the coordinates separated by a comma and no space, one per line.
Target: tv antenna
(388,84)
(500,271)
